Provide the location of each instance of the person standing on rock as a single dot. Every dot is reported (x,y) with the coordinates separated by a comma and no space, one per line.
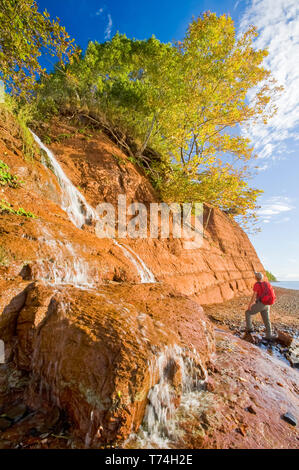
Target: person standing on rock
(263,296)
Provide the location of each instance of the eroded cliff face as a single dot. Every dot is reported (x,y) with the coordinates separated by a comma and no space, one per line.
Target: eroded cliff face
(112,334)
(220,269)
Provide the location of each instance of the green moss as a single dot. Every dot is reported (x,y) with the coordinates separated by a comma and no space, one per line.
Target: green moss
(62,137)
(6,208)
(46,160)
(119,160)
(47,139)
(6,178)
(83,131)
(133,160)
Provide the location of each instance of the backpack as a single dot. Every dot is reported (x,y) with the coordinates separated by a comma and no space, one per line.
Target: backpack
(267,296)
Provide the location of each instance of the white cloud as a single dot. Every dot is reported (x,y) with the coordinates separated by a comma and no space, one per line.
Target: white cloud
(263,167)
(275,206)
(109,27)
(274,209)
(278,26)
(283,220)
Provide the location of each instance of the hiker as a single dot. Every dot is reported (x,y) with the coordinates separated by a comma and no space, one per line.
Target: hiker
(263,296)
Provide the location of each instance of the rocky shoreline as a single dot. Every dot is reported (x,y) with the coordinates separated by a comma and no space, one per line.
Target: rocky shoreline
(232,410)
(284,319)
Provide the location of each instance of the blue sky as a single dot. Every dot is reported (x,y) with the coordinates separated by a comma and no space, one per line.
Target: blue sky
(276,144)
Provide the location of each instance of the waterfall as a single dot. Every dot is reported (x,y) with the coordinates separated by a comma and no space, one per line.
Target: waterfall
(80,212)
(146,276)
(161,423)
(73,202)
(66,268)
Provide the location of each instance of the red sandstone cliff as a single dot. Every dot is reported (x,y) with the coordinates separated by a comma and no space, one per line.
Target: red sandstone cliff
(220,269)
(73,314)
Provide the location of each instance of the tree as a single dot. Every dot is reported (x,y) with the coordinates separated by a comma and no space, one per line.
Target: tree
(186,101)
(219,70)
(271,276)
(24,35)
(126,85)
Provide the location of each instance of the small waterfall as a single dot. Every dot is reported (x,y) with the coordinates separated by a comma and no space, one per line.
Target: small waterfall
(161,423)
(88,436)
(80,212)
(73,202)
(66,268)
(146,276)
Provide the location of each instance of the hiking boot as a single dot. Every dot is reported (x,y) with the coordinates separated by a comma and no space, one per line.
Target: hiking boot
(271,338)
(248,337)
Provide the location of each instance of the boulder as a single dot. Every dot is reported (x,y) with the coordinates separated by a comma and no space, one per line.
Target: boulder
(15,412)
(284,338)
(96,354)
(4,424)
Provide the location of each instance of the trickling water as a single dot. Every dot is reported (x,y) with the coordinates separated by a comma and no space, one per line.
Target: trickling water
(146,276)
(161,423)
(89,433)
(66,268)
(73,202)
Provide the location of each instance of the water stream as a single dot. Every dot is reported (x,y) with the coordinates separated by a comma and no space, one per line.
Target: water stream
(146,276)
(180,372)
(177,375)
(67,267)
(73,202)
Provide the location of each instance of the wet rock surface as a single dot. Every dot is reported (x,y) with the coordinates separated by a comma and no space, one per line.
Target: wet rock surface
(251,391)
(4,424)
(90,352)
(284,338)
(20,425)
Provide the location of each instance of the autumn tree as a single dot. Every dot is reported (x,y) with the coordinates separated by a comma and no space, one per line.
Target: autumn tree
(25,34)
(212,159)
(185,101)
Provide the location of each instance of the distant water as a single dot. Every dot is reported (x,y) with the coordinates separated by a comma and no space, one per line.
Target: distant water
(287,284)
